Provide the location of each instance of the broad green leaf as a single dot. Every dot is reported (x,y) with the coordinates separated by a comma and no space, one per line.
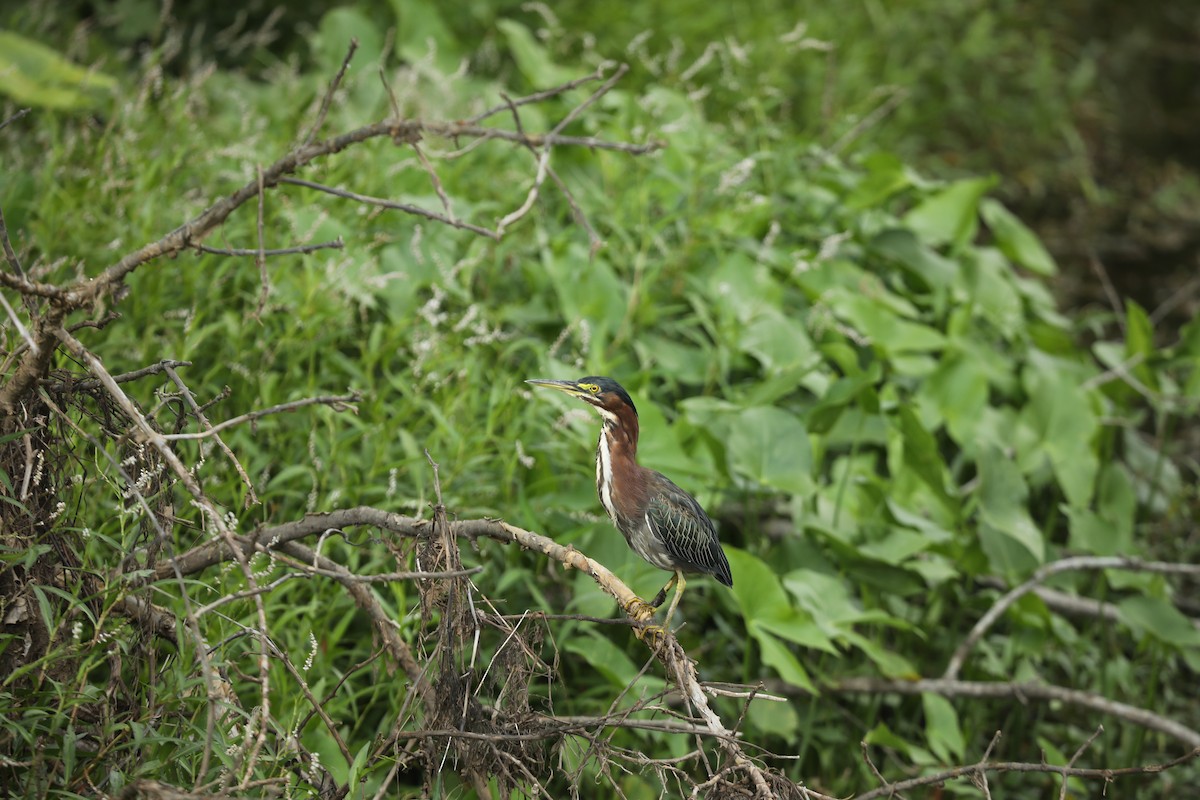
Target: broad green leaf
(778,342)
(896,547)
(1060,412)
(1159,619)
(991,287)
(774,719)
(882,326)
(340,25)
(797,629)
(1107,531)
(771,446)
(921,453)
(890,664)
(33,74)
(609,660)
(1139,343)
(942,730)
(885,176)
(902,246)
(841,393)
(950,217)
(958,389)
(756,588)
(421,34)
(1015,240)
(532,59)
(1005,517)
(776,655)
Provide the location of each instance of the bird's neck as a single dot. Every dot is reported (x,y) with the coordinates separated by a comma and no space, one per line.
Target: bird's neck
(616,460)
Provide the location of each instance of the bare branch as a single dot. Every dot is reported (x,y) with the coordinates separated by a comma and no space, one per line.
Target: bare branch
(327,100)
(9,254)
(1021,692)
(336,244)
(1105,775)
(1049,570)
(198,413)
(13,118)
(408,208)
(337,402)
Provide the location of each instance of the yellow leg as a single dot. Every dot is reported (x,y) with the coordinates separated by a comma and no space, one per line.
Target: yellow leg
(679,584)
(662,593)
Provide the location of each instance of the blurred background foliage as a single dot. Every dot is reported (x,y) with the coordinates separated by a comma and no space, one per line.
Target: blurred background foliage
(855,301)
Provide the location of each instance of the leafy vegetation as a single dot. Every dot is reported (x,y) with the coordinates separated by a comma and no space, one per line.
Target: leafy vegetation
(859,369)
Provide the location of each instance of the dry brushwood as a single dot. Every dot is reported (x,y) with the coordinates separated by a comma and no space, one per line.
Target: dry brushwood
(466,675)
(44,411)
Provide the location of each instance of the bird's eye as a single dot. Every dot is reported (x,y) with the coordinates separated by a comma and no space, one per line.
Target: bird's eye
(591,387)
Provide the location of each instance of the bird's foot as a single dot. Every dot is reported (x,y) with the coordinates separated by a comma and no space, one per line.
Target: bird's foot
(652,635)
(639,610)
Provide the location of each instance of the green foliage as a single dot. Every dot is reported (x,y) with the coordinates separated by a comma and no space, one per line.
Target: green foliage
(859,370)
(34,74)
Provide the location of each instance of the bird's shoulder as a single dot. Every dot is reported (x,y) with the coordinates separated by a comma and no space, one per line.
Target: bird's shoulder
(669,502)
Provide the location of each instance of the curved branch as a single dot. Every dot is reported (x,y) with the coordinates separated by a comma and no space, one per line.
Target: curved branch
(1049,570)
(1020,692)
(665,646)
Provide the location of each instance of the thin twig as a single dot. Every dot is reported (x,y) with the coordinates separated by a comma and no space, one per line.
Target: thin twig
(1021,691)
(10,255)
(1106,775)
(327,100)
(1062,793)
(408,208)
(336,402)
(198,412)
(1044,573)
(336,244)
(13,118)
(260,257)
(1110,291)
(538,97)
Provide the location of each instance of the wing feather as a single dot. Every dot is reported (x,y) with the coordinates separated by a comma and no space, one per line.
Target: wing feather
(685,531)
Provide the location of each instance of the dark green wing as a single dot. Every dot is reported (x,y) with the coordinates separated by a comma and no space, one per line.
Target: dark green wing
(678,521)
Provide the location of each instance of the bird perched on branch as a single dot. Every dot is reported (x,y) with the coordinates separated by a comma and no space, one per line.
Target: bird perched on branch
(661,522)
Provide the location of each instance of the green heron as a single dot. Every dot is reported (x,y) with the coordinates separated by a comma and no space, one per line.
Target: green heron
(661,522)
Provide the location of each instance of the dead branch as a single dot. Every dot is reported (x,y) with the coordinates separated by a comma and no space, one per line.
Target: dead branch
(342,402)
(984,766)
(1044,573)
(1021,692)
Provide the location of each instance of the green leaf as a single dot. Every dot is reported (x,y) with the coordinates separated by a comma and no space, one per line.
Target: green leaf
(532,59)
(33,74)
(421,32)
(882,326)
(776,655)
(1139,343)
(774,719)
(890,664)
(950,217)
(756,588)
(771,446)
(340,25)
(1108,531)
(1159,619)
(1015,240)
(902,246)
(942,729)
(778,342)
(610,661)
(1013,542)
(921,453)
(958,389)
(1060,412)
